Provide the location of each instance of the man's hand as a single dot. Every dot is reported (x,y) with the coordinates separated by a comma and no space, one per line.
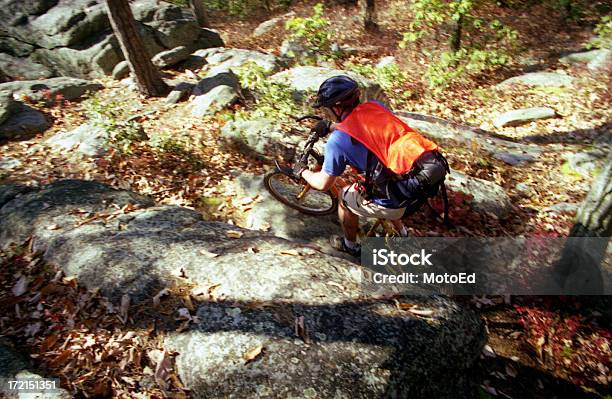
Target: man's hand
(323,127)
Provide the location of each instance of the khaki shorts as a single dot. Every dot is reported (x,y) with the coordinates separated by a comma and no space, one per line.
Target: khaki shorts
(361,207)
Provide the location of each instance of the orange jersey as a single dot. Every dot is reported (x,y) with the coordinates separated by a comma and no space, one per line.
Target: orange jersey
(395,144)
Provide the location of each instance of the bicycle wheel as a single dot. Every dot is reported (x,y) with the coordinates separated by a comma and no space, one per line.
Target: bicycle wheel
(287,191)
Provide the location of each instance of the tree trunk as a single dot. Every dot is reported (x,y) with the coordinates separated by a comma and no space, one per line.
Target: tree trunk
(456,37)
(578,271)
(197,7)
(368,12)
(148,79)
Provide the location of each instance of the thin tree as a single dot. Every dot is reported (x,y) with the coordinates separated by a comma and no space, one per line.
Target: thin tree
(148,79)
(368,13)
(578,270)
(197,7)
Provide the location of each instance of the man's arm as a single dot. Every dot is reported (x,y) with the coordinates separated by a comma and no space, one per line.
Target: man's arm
(318,180)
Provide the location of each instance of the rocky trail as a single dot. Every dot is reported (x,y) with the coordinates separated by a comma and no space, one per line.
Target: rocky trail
(167,269)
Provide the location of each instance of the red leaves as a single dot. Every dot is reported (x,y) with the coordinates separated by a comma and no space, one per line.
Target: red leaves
(569,344)
(76,334)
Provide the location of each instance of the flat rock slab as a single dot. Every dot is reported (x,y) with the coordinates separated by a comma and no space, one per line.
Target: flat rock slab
(352,345)
(87,139)
(518,117)
(443,130)
(221,59)
(550,79)
(23,123)
(580,57)
(213,101)
(269,214)
(69,88)
(171,57)
(602,62)
(305,80)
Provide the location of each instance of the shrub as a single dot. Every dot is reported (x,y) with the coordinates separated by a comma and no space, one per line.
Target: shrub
(313,32)
(603,30)
(272,100)
(491,42)
(112,116)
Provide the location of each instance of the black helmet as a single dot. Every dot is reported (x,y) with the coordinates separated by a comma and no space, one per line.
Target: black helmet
(336,89)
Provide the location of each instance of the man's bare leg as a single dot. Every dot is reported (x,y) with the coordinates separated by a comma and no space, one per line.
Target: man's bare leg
(400,227)
(349,222)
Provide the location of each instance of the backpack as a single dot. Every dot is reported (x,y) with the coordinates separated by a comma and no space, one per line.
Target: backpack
(409,167)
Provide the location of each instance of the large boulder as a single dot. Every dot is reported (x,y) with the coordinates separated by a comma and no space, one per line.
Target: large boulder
(7,105)
(36,90)
(487,197)
(444,131)
(23,122)
(87,139)
(221,59)
(74,37)
(549,79)
(305,80)
(22,68)
(261,137)
(215,92)
(315,331)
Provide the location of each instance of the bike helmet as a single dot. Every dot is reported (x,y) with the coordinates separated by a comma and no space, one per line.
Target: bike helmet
(335,91)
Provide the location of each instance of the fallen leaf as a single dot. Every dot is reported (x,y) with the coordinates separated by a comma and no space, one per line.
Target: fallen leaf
(21,286)
(208,254)
(511,371)
(234,234)
(290,252)
(334,284)
(157,298)
(53,227)
(420,312)
(488,351)
(252,250)
(252,354)
(184,314)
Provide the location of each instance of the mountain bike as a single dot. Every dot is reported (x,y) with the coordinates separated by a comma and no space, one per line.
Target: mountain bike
(299,195)
(303,198)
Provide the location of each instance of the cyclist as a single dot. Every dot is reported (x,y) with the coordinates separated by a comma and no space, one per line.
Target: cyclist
(339,97)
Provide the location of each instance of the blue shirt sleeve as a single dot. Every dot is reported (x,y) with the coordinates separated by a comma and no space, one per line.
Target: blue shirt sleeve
(335,160)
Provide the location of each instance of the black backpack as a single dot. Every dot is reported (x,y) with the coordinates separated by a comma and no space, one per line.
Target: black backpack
(426,179)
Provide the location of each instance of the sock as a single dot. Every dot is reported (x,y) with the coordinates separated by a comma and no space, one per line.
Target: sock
(350,244)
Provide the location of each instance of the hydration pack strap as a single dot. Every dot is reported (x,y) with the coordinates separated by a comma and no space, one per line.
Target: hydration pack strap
(368,175)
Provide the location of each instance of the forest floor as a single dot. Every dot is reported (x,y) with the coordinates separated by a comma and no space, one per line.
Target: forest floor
(538,347)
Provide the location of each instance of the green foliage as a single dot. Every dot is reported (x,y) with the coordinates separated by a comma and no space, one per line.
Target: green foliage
(112,116)
(491,42)
(603,30)
(272,100)
(312,31)
(177,143)
(243,8)
(388,77)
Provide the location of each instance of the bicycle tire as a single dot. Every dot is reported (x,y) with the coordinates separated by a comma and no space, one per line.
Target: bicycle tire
(285,190)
